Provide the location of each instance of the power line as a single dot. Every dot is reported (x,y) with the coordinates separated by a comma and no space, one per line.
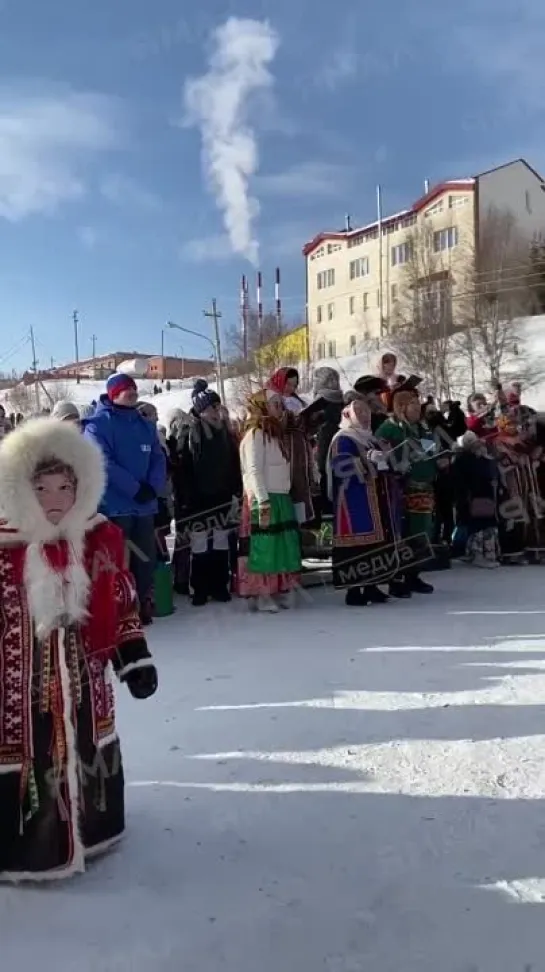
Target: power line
(15,348)
(526,278)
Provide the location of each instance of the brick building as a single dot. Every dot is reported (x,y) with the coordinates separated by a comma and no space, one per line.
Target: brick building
(156,367)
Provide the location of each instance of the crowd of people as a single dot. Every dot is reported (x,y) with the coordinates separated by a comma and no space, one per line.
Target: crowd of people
(402,479)
(397,476)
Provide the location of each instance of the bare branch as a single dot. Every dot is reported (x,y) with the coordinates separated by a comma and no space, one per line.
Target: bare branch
(422,319)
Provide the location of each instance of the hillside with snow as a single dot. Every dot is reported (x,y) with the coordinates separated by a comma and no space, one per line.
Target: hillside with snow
(236,389)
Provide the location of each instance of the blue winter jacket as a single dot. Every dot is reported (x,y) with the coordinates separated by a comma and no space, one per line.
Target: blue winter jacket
(133,456)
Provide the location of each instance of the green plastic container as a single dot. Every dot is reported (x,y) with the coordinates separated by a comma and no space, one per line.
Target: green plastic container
(163,591)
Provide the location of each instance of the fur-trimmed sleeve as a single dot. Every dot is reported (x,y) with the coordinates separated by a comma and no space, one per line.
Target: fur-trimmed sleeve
(127,636)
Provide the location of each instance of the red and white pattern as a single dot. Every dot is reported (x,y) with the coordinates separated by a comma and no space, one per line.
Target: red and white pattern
(17,650)
(15,668)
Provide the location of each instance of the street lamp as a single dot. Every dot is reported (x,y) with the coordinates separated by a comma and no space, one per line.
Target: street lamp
(203,337)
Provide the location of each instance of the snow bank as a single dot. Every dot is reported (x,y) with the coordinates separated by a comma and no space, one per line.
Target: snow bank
(350,368)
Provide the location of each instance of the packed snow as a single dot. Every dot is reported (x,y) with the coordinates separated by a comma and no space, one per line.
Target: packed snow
(327,789)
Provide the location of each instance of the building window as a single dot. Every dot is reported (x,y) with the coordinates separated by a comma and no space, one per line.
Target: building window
(332,349)
(432,306)
(445,239)
(394,293)
(528,203)
(434,210)
(359,268)
(456,202)
(401,253)
(319,314)
(330,311)
(366,302)
(321,351)
(326,278)
(353,344)
(351,305)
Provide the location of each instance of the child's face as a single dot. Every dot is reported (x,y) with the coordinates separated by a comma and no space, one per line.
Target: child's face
(56,494)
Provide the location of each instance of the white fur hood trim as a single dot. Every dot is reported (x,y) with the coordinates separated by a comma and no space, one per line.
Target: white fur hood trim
(21,452)
(54,598)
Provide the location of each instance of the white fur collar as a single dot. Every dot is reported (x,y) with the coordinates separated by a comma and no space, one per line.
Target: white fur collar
(53,597)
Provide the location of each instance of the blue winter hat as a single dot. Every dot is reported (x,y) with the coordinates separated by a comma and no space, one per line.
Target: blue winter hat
(203,397)
(117,384)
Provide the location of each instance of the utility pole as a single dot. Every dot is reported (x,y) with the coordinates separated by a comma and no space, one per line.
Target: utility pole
(215,315)
(35,367)
(94,343)
(76,343)
(380,266)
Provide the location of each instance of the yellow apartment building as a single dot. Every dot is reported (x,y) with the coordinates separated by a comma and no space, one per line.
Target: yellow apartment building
(355,277)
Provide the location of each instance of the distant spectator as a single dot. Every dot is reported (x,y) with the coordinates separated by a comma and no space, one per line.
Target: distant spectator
(136,475)
(207,482)
(66,412)
(5,424)
(165,513)
(327,386)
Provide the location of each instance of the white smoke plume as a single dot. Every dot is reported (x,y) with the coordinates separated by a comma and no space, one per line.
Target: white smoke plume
(218,104)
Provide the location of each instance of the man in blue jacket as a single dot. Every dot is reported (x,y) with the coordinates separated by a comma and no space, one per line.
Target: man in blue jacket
(136,475)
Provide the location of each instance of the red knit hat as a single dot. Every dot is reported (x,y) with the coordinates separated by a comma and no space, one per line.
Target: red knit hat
(117,384)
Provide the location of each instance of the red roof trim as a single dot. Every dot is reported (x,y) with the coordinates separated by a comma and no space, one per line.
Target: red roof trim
(462,185)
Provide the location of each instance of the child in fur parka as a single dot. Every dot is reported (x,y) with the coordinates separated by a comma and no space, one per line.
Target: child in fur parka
(69,623)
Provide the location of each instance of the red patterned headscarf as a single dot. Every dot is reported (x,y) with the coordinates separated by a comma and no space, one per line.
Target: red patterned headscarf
(259,418)
(277,382)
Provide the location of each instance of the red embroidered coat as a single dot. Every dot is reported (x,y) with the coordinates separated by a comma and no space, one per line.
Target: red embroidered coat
(61,773)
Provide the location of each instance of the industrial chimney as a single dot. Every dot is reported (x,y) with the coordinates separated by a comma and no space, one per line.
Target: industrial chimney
(347,225)
(426,186)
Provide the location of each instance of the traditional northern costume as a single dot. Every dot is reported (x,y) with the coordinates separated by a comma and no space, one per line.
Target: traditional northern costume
(68,621)
(364,536)
(270,552)
(411,454)
(296,443)
(513,489)
(533,434)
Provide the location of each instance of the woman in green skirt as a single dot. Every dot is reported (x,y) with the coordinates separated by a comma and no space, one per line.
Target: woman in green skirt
(270,551)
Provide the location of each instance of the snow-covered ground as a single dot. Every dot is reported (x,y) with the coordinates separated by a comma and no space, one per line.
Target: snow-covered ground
(347,790)
(350,368)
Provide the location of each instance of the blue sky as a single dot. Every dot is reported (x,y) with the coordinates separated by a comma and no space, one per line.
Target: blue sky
(150,156)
